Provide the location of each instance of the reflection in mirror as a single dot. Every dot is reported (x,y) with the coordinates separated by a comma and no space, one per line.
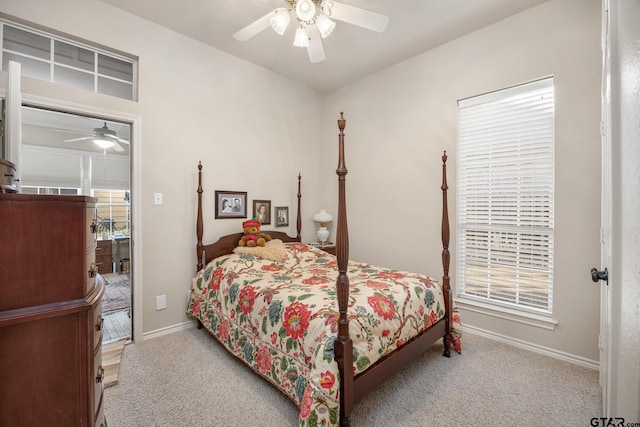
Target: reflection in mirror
(68,154)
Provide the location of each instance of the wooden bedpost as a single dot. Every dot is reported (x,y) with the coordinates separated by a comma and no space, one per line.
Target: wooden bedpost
(299,216)
(199,226)
(446,258)
(343,346)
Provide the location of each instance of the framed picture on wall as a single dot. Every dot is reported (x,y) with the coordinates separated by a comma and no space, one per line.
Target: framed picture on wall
(262,211)
(231,204)
(281,214)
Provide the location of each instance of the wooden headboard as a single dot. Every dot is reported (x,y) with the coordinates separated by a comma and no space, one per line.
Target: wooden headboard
(226,244)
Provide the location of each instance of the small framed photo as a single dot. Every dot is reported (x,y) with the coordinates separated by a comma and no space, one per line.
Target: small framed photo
(262,211)
(282,216)
(231,204)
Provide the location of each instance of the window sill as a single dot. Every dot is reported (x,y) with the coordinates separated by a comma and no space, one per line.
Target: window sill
(531,319)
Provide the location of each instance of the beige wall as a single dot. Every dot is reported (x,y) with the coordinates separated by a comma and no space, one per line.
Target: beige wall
(253,130)
(198,103)
(400,120)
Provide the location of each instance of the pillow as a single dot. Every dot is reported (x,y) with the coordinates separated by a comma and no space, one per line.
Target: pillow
(273,250)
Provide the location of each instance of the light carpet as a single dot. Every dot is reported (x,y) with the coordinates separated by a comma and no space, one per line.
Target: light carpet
(187,378)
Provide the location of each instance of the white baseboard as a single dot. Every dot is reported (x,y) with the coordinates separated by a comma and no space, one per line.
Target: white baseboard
(168,330)
(556,354)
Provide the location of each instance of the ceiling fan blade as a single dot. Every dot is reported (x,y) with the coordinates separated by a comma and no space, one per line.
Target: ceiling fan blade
(72,131)
(315,50)
(116,138)
(254,28)
(117,147)
(360,17)
(79,139)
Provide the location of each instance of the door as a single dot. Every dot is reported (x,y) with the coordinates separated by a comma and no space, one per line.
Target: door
(620,362)
(70,153)
(61,152)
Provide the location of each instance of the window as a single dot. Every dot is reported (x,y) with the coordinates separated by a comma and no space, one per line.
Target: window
(505,197)
(114,212)
(47,57)
(50,190)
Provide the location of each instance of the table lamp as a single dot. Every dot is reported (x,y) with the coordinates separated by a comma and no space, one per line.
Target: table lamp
(323,218)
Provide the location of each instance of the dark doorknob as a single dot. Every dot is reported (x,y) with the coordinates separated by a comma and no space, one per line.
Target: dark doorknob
(599,275)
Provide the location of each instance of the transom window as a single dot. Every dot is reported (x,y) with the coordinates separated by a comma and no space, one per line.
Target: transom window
(47,57)
(505,204)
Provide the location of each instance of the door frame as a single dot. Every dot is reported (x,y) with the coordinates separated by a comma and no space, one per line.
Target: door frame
(607,335)
(135,121)
(621,250)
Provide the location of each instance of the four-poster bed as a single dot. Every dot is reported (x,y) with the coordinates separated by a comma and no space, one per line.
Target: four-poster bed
(325,346)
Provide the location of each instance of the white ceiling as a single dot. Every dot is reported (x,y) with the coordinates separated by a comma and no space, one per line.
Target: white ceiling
(352,52)
(55,129)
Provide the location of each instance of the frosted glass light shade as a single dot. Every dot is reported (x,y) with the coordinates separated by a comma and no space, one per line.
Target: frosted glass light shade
(305,10)
(301,40)
(103,143)
(280,20)
(325,25)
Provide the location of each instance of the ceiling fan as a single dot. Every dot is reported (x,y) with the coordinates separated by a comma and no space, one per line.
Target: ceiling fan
(103,137)
(313,23)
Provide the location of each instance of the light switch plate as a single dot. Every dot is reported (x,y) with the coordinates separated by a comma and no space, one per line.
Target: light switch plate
(157,199)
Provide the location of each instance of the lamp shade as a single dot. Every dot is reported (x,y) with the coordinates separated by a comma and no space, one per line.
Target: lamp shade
(323,217)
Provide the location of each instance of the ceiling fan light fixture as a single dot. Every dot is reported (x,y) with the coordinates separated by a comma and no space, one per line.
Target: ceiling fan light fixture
(305,10)
(302,39)
(103,143)
(325,25)
(326,6)
(280,20)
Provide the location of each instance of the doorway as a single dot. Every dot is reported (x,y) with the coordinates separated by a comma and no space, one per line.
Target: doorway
(72,154)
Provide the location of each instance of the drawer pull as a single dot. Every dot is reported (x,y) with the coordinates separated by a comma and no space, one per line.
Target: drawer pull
(93,270)
(99,322)
(94,226)
(100,375)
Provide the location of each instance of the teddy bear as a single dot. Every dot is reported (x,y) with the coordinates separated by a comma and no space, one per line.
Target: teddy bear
(252,235)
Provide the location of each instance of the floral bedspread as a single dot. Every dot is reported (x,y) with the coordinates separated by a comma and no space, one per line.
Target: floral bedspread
(280,318)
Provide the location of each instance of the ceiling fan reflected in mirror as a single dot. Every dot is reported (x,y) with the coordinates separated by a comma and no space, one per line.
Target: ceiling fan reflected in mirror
(104,138)
(314,23)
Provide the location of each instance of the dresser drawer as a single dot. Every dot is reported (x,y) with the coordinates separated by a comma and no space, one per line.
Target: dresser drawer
(96,323)
(91,228)
(104,258)
(91,270)
(98,387)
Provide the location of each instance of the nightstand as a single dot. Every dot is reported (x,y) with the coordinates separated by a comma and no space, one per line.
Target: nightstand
(329,248)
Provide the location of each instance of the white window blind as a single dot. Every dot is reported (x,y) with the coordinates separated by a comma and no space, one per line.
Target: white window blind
(505,197)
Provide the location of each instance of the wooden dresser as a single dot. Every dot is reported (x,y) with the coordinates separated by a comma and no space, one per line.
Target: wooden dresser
(104,258)
(50,313)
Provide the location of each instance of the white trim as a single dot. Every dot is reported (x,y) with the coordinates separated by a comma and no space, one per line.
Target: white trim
(168,330)
(525,345)
(513,315)
(136,186)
